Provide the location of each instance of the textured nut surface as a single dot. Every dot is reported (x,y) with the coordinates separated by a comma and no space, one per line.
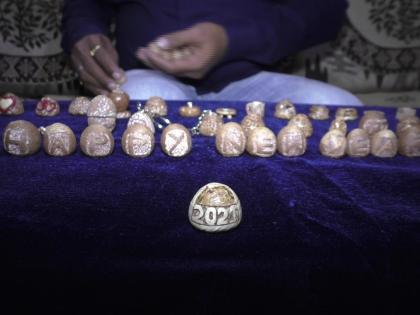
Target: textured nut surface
(255,107)
(228,112)
(291,141)
(10,104)
(215,208)
(384,144)
(22,138)
(102,111)
(409,142)
(141,118)
(230,139)
(405,112)
(97,141)
(252,121)
(120,99)
(79,106)
(261,142)
(358,143)
(303,122)
(176,140)
(339,124)
(47,106)
(285,110)
(319,112)
(138,141)
(333,144)
(59,140)
(156,106)
(373,121)
(407,123)
(210,123)
(190,110)
(346,113)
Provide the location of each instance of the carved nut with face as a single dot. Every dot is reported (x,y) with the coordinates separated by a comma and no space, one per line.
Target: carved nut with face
(358,143)
(215,208)
(333,144)
(210,123)
(21,138)
(156,106)
(346,113)
(285,110)
(339,124)
(59,140)
(291,141)
(384,144)
(97,141)
(176,140)
(79,106)
(252,121)
(230,139)
(373,121)
(142,118)
(319,112)
(10,104)
(102,111)
(138,141)
(261,142)
(47,106)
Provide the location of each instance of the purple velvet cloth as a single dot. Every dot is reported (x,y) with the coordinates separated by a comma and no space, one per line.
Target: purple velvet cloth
(318,235)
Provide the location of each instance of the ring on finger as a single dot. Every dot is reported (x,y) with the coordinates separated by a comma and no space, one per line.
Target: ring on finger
(94,50)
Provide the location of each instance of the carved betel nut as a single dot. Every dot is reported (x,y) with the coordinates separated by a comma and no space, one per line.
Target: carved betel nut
(255,107)
(141,118)
(190,110)
(407,123)
(291,141)
(59,139)
(138,141)
(97,141)
(10,104)
(303,122)
(339,124)
(176,140)
(409,142)
(333,144)
(227,112)
(384,144)
(346,113)
(358,143)
(210,123)
(252,121)
(261,142)
(102,111)
(215,208)
(156,106)
(319,112)
(79,106)
(405,112)
(373,121)
(285,110)
(47,106)
(21,138)
(120,99)
(230,139)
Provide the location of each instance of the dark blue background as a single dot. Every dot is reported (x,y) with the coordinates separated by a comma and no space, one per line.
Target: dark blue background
(112,234)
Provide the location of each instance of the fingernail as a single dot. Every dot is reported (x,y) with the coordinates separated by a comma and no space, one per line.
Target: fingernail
(112,86)
(116,75)
(163,43)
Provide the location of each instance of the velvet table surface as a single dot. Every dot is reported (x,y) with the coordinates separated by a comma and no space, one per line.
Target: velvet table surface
(112,234)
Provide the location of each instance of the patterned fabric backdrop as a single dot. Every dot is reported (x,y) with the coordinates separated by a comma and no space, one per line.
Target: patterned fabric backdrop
(31,60)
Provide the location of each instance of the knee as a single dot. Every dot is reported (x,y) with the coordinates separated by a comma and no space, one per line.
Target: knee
(143,84)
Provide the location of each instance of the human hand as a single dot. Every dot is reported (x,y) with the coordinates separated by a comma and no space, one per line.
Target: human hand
(187,53)
(96,61)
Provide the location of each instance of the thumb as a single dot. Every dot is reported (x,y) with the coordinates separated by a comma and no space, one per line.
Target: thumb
(175,40)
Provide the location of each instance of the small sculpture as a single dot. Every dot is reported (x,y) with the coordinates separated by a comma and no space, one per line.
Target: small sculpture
(339,124)
(215,208)
(59,139)
(10,104)
(252,121)
(384,144)
(358,143)
(102,111)
(405,112)
(346,113)
(21,138)
(230,139)
(373,121)
(333,144)
(291,141)
(303,122)
(156,106)
(319,112)
(210,122)
(138,141)
(261,142)
(256,107)
(79,106)
(409,142)
(47,106)
(285,110)
(97,141)
(176,140)
(190,110)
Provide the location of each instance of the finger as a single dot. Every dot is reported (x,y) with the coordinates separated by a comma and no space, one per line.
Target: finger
(95,70)
(175,67)
(83,74)
(177,39)
(142,55)
(107,58)
(95,89)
